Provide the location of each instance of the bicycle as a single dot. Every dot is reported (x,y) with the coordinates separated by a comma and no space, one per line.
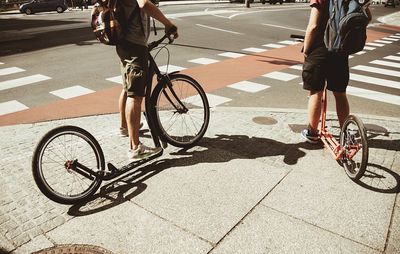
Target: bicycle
(351,151)
(68,164)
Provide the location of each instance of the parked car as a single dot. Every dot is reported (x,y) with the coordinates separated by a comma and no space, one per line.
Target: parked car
(42,6)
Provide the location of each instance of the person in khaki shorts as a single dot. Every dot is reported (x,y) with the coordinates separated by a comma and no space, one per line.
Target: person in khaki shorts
(133,54)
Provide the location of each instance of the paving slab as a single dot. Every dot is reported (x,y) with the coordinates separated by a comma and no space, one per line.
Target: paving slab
(266,230)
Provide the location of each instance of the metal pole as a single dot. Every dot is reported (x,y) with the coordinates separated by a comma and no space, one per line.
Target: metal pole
(247,3)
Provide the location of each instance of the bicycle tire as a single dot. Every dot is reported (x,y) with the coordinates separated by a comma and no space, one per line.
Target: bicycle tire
(353,133)
(181,129)
(55,150)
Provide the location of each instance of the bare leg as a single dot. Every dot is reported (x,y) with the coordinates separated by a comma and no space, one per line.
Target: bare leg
(133,114)
(342,107)
(122,106)
(314,110)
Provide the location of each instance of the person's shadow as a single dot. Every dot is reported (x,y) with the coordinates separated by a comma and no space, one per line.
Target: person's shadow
(219,149)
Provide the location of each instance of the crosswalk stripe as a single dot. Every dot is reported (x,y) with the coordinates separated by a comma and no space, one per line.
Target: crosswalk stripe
(280,76)
(273,45)
(170,68)
(1,63)
(361,53)
(297,67)
(71,92)
(231,54)
(11,107)
(390,39)
(22,81)
(375,81)
(288,42)
(373,95)
(203,60)
(116,79)
(254,50)
(385,42)
(377,70)
(386,63)
(248,86)
(369,48)
(374,44)
(10,70)
(395,36)
(394,58)
(213,100)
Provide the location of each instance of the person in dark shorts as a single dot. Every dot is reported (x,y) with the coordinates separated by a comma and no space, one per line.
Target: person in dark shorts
(322,68)
(133,54)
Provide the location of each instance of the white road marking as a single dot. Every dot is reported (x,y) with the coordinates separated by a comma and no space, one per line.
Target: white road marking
(373,95)
(375,81)
(248,86)
(386,63)
(116,79)
(1,63)
(284,27)
(171,68)
(382,41)
(273,45)
(22,81)
(11,107)
(203,61)
(213,100)
(394,58)
(254,50)
(280,76)
(377,70)
(218,29)
(231,55)
(10,70)
(394,36)
(361,53)
(297,67)
(71,92)
(390,39)
(198,13)
(368,48)
(374,44)
(287,42)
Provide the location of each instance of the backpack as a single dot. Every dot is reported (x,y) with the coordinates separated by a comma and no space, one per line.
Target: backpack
(346,30)
(108,22)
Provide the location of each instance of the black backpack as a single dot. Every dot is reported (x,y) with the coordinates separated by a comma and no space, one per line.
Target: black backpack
(108,22)
(346,31)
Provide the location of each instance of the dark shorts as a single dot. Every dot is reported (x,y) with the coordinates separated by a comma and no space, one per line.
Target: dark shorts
(134,68)
(321,67)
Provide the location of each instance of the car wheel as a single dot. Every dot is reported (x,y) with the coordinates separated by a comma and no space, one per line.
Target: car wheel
(28,11)
(263,1)
(281,2)
(60,9)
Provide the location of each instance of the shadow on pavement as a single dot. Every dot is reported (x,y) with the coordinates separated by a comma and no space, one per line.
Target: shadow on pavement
(380,179)
(223,148)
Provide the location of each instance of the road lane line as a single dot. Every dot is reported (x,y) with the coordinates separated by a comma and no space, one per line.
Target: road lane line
(218,29)
(116,79)
(22,81)
(390,39)
(361,53)
(213,100)
(376,70)
(382,41)
(10,70)
(254,50)
(11,107)
(284,27)
(248,86)
(373,95)
(71,92)
(170,68)
(288,42)
(386,63)
(375,81)
(273,45)
(369,48)
(374,44)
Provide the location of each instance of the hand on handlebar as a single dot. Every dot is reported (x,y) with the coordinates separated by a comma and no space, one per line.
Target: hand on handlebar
(172,32)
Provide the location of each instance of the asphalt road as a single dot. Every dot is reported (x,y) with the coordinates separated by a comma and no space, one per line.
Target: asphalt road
(59,50)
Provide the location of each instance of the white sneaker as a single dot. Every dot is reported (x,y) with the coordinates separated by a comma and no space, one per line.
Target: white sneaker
(123,132)
(142,152)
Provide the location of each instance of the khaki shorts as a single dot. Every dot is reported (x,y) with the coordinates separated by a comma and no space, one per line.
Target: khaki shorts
(134,68)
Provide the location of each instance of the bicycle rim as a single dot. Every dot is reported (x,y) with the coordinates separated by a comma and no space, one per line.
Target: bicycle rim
(353,137)
(182,128)
(59,147)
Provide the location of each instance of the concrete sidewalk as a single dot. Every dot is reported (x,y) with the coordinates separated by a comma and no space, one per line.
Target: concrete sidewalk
(251,186)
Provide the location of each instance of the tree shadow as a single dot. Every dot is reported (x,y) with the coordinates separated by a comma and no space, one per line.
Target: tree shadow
(222,148)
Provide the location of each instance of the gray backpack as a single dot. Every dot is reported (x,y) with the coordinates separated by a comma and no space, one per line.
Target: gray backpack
(346,31)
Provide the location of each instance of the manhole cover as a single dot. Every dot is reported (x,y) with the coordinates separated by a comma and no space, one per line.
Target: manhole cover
(74,249)
(264,120)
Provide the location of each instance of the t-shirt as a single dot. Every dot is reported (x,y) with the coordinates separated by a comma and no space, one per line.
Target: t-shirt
(322,5)
(139,28)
